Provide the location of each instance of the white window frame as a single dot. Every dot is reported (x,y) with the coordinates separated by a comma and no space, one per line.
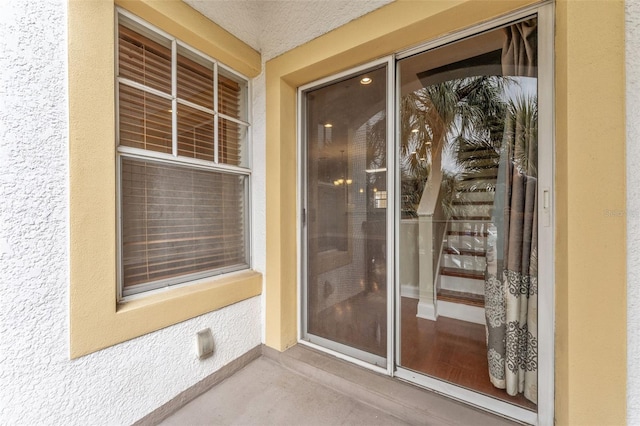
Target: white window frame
(127,152)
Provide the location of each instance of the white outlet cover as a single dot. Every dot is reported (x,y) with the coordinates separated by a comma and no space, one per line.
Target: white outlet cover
(204,343)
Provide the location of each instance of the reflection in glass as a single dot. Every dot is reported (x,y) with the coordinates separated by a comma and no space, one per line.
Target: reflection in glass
(346,219)
(468,161)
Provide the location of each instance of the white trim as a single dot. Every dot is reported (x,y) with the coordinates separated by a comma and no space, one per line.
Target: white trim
(303,335)
(410,291)
(426,311)
(470,397)
(216,125)
(301,217)
(143,88)
(462,312)
(546,234)
(182,161)
(195,106)
(369,364)
(174,98)
(393,186)
(335,78)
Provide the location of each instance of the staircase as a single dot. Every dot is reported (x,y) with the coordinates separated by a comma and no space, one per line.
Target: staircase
(460,289)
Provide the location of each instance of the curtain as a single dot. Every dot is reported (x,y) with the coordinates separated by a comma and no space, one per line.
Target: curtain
(520,49)
(511,278)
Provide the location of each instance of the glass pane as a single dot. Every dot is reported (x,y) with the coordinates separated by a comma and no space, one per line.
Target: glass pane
(232,143)
(178,221)
(195,78)
(145,120)
(232,95)
(143,56)
(468,161)
(347,212)
(195,133)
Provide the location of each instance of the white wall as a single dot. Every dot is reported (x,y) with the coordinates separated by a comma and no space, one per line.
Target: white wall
(633,210)
(276,26)
(38,382)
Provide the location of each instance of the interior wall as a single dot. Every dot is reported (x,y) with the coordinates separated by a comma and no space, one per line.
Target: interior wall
(633,210)
(40,384)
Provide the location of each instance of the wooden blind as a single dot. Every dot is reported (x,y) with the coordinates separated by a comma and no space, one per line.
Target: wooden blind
(145,120)
(143,60)
(178,221)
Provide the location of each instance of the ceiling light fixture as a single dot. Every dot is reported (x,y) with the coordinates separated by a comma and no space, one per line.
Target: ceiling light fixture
(366,80)
(328,125)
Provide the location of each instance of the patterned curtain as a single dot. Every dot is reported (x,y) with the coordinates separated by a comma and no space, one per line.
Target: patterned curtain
(511,278)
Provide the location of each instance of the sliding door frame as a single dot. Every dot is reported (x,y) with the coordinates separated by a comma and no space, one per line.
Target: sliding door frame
(546,228)
(339,350)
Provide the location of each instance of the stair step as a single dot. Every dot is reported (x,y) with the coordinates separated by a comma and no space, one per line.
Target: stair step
(459,202)
(472,209)
(479,153)
(462,273)
(465,262)
(467,218)
(466,242)
(486,196)
(477,185)
(468,233)
(464,252)
(480,174)
(481,162)
(461,297)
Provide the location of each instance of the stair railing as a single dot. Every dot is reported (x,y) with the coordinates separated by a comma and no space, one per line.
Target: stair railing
(432,224)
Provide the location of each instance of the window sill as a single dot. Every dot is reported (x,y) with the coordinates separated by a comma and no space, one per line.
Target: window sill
(215,292)
(104,326)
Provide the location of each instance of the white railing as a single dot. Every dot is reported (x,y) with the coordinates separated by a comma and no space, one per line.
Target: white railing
(431,227)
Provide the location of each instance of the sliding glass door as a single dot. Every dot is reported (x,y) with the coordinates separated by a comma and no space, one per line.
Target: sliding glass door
(345,228)
(469,162)
(427,237)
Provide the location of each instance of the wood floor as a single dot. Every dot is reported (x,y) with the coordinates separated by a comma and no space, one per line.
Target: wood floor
(450,350)
(447,349)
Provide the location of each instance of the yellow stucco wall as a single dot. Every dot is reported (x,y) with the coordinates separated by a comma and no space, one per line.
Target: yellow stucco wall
(590,145)
(96,319)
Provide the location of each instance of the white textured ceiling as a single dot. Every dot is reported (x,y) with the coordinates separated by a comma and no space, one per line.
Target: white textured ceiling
(276,26)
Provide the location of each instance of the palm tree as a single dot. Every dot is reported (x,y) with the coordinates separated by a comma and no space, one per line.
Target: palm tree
(452,116)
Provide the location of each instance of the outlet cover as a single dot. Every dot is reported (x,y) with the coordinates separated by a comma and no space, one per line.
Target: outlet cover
(204,343)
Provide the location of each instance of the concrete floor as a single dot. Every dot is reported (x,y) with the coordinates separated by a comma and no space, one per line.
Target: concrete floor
(303,386)
(266,393)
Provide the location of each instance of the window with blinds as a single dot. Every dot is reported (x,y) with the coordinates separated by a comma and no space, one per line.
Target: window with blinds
(183,161)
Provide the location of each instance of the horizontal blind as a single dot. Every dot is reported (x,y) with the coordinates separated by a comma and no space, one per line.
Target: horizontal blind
(195,81)
(144,60)
(178,221)
(231,135)
(145,120)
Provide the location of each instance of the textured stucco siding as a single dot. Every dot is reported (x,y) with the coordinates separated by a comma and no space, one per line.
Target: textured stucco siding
(39,384)
(118,385)
(633,210)
(274,27)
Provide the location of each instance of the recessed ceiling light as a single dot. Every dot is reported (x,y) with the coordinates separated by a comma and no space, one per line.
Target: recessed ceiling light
(366,80)
(415,130)
(328,125)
